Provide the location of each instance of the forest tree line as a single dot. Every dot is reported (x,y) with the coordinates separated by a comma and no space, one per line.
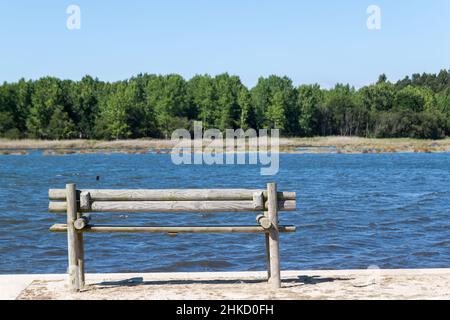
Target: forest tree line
(154,105)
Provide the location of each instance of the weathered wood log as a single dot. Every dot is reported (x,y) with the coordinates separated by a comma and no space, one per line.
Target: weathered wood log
(172,230)
(85,201)
(173,206)
(267,238)
(267,243)
(264,221)
(82,222)
(275,277)
(57,207)
(169,194)
(80,254)
(258,200)
(73,239)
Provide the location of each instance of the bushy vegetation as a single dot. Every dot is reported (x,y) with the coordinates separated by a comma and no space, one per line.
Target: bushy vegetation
(155,105)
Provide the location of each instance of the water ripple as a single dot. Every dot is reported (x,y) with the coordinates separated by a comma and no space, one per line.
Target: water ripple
(353,211)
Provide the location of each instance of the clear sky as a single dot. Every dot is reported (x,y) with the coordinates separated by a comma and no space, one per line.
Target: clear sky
(315,41)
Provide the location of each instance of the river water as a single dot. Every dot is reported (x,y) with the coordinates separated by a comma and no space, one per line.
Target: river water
(354,211)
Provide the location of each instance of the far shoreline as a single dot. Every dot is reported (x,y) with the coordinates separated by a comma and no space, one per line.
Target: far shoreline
(315,145)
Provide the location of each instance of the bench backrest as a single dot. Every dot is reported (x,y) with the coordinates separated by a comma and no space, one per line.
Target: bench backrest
(174,200)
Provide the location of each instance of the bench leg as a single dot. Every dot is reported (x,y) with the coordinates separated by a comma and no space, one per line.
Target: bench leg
(274,237)
(73,239)
(275,276)
(80,254)
(266,236)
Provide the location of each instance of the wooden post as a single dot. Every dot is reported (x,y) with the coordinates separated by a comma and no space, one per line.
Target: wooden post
(266,236)
(274,236)
(80,254)
(73,238)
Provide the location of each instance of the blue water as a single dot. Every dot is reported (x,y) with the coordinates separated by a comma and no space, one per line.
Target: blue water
(354,211)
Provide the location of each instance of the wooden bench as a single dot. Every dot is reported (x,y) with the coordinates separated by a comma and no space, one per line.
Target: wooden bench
(78,202)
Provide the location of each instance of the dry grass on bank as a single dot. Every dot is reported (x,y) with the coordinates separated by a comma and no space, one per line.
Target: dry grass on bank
(291,145)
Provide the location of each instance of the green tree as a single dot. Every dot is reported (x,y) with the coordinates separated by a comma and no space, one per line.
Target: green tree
(227,88)
(276,113)
(415,99)
(47,97)
(443,106)
(428,125)
(60,125)
(115,112)
(393,124)
(7,121)
(202,99)
(309,99)
(382,79)
(22,104)
(167,96)
(248,115)
(347,113)
(84,98)
(263,97)
(154,105)
(376,98)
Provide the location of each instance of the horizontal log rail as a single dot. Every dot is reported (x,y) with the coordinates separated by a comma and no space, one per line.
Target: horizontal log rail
(171,230)
(169,194)
(172,206)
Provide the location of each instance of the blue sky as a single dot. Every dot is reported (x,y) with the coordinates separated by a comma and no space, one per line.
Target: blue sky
(310,41)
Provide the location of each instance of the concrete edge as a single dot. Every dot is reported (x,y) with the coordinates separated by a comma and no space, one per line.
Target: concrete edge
(11,285)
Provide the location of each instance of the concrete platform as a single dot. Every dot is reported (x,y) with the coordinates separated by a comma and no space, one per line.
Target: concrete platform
(331,284)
